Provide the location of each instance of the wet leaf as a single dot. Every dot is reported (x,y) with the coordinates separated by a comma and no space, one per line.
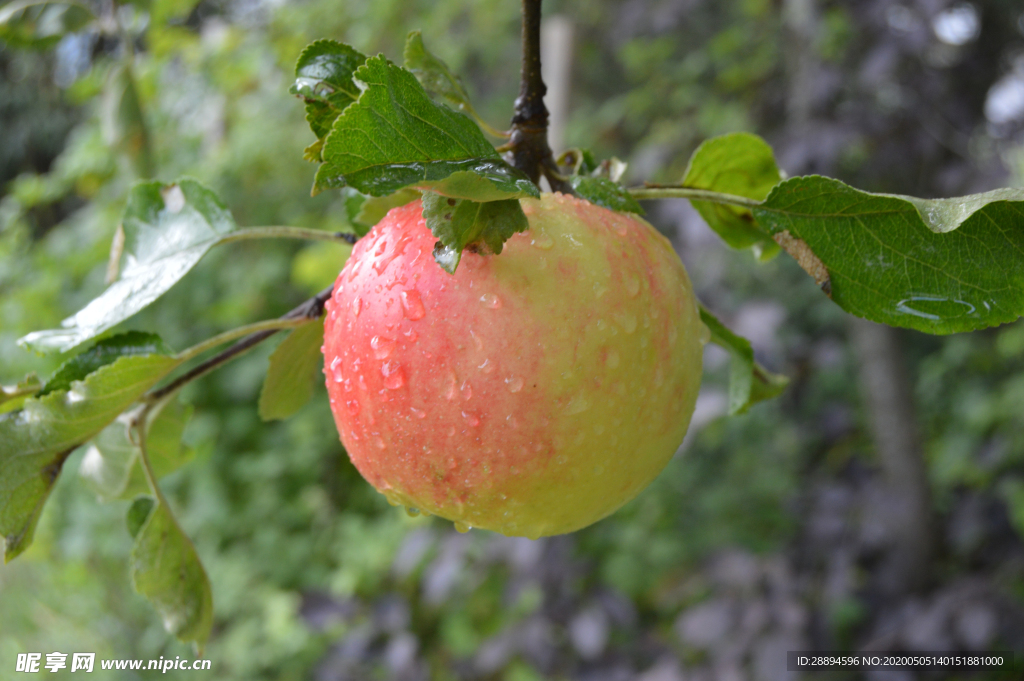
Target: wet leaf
(35,440)
(294,369)
(603,192)
(168,228)
(323,78)
(394,137)
(935,265)
(102,353)
(461,224)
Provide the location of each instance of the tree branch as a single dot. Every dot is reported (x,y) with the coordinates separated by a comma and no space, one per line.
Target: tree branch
(529,133)
(311,309)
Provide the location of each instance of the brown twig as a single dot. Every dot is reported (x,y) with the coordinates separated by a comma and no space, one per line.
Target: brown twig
(311,309)
(529,134)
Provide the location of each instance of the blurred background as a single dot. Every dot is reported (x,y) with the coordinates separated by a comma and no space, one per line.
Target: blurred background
(879,504)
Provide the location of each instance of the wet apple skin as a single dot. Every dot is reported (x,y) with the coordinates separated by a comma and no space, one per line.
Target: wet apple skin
(531,393)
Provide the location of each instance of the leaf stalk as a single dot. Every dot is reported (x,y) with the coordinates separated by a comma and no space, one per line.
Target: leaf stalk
(671,192)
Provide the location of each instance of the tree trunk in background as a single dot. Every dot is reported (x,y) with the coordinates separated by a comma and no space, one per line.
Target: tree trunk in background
(885,387)
(888,400)
(556,41)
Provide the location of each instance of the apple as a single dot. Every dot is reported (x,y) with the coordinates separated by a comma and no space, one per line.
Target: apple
(531,393)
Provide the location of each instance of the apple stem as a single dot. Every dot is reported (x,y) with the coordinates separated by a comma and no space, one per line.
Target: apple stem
(528,144)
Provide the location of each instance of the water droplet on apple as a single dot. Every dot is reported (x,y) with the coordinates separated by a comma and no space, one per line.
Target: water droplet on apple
(490,300)
(471,418)
(336,372)
(477,341)
(705,334)
(627,320)
(467,390)
(512,421)
(411,334)
(394,375)
(578,404)
(461,527)
(612,359)
(412,512)
(418,413)
(632,285)
(357,306)
(450,392)
(562,459)
(379,443)
(486,367)
(412,304)
(542,241)
(353,406)
(534,534)
(382,346)
(514,383)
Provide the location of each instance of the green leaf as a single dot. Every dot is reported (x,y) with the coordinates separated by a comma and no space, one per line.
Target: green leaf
(102,353)
(41,24)
(124,124)
(433,74)
(168,228)
(438,80)
(603,192)
(394,136)
(35,441)
(363,212)
(935,265)
(163,11)
(373,209)
(138,514)
(460,224)
(323,78)
(165,568)
(749,382)
(110,465)
(292,373)
(740,164)
(12,396)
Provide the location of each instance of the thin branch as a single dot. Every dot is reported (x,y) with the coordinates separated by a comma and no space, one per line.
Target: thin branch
(277,232)
(272,325)
(670,192)
(309,310)
(528,144)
